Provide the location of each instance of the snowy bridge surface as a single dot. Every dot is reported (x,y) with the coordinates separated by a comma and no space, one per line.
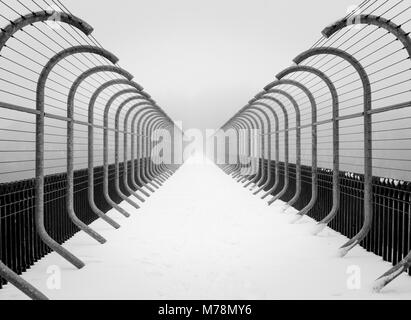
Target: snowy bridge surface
(203,236)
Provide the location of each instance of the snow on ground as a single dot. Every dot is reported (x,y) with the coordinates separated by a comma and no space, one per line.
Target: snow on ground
(203,236)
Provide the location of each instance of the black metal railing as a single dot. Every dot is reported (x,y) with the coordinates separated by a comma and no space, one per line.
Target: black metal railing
(390,236)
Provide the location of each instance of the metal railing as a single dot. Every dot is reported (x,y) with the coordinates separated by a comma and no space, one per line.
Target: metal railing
(347,98)
(79,99)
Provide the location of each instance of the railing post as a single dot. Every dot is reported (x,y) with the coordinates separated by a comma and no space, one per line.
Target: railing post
(265,94)
(5,34)
(403,37)
(148,102)
(336,136)
(70,104)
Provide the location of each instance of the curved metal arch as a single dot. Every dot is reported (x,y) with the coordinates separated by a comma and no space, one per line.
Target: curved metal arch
(402,36)
(247,125)
(266,180)
(336,139)
(250,126)
(258,180)
(70,132)
(41,16)
(251,120)
(117,154)
(240,142)
(40,119)
(368,172)
(8,274)
(135,124)
(166,167)
(137,121)
(259,106)
(135,141)
(232,170)
(286,149)
(277,146)
(91,106)
(107,108)
(125,150)
(161,170)
(147,125)
(297,137)
(377,21)
(314,155)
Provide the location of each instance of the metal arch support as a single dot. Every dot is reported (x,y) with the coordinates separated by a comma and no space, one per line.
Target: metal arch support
(237,168)
(254,113)
(70,150)
(259,106)
(70,138)
(146,128)
(245,119)
(250,119)
(168,172)
(150,133)
(5,34)
(368,172)
(140,172)
(147,119)
(109,104)
(377,21)
(136,123)
(240,147)
(168,167)
(247,125)
(405,39)
(238,124)
(20,283)
(234,116)
(228,168)
(286,149)
(135,141)
(336,140)
(41,16)
(297,137)
(117,154)
(161,123)
(91,140)
(39,198)
(314,156)
(91,106)
(133,161)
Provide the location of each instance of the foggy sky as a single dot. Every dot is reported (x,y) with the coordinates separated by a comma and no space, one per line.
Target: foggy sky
(203,60)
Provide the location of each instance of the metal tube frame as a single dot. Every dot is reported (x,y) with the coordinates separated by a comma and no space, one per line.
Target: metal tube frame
(297,137)
(335,136)
(404,38)
(70,146)
(314,156)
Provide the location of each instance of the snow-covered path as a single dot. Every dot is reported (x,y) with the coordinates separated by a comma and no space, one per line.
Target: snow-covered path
(203,236)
